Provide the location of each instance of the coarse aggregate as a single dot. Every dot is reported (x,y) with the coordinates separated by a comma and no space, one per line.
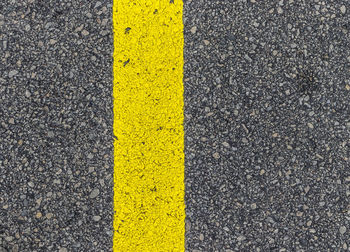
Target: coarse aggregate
(267,125)
(56,117)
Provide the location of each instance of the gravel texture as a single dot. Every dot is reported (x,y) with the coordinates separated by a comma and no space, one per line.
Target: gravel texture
(56,144)
(267,88)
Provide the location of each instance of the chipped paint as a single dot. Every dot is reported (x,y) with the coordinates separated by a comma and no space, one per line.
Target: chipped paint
(148,126)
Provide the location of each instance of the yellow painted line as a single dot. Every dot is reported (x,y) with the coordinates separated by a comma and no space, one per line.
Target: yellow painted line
(148,126)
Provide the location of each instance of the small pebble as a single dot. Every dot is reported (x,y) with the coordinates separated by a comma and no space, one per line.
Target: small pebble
(13,73)
(342,230)
(240,238)
(9,238)
(253,206)
(94,193)
(226,144)
(49,215)
(85,33)
(201,237)
(312,230)
(343,9)
(27,27)
(307,189)
(216,155)
(193,29)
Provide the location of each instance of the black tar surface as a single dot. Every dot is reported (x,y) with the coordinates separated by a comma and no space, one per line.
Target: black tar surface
(56,147)
(266,122)
(267,125)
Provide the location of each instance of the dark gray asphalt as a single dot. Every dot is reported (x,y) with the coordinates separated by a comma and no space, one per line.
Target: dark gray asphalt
(267,125)
(56,152)
(267,93)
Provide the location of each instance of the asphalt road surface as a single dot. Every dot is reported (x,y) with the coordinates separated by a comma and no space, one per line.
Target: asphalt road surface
(267,125)
(267,120)
(56,147)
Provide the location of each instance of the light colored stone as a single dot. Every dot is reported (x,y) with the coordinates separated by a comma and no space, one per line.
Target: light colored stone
(94,193)
(13,73)
(85,33)
(9,238)
(253,206)
(216,155)
(240,238)
(193,29)
(38,215)
(307,189)
(343,9)
(342,230)
(49,215)
(226,144)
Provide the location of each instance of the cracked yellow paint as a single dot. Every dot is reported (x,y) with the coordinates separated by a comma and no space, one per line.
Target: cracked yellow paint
(148,126)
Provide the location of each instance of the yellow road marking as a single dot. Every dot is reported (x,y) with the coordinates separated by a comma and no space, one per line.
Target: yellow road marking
(148,126)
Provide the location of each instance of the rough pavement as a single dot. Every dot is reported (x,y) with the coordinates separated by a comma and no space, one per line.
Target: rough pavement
(56,152)
(267,125)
